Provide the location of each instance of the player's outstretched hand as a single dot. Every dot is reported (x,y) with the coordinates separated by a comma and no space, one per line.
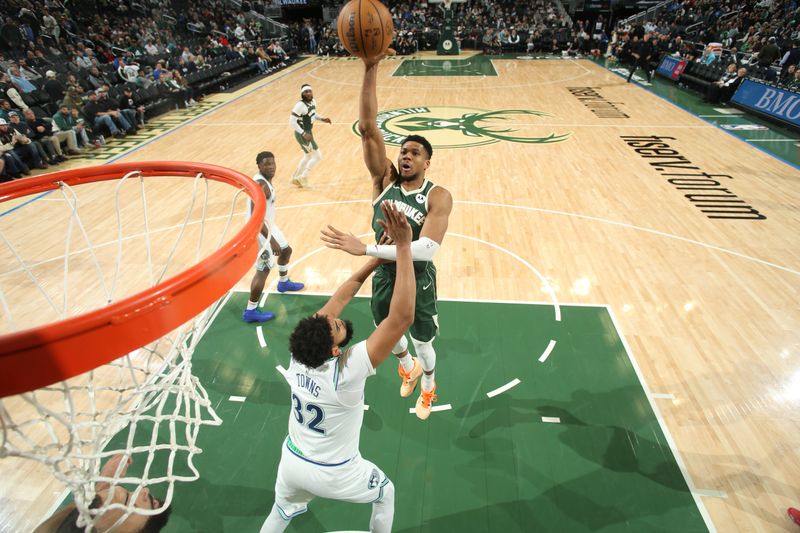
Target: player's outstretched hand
(370,61)
(395,224)
(385,239)
(340,240)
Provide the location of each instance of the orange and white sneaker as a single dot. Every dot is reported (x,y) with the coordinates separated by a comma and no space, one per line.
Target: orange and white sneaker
(426,398)
(409,378)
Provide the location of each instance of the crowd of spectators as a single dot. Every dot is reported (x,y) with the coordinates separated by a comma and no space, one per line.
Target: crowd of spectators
(69,79)
(761,36)
(500,26)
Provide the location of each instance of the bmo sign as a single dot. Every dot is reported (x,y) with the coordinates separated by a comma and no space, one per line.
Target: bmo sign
(768,100)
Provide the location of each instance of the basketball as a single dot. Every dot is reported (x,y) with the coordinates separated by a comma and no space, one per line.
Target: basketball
(365,28)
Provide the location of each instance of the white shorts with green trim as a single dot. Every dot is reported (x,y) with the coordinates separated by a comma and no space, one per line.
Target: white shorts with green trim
(301,479)
(265,259)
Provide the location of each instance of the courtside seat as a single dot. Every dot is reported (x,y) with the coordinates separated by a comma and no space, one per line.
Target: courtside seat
(698,76)
(152,99)
(114,92)
(40,113)
(689,74)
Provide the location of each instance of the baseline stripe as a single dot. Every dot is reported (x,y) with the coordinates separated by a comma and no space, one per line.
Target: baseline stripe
(710,493)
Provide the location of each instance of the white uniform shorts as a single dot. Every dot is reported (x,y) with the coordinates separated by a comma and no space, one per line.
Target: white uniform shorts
(300,480)
(266,260)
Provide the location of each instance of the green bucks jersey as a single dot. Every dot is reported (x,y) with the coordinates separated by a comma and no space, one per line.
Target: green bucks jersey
(303,115)
(413,203)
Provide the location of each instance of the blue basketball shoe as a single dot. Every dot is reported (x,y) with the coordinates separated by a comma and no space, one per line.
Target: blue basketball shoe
(289,285)
(256,315)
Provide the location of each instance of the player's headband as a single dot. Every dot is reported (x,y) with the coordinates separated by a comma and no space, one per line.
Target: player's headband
(305,88)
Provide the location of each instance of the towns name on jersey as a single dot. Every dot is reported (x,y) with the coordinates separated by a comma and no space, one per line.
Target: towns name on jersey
(305,382)
(706,189)
(411,212)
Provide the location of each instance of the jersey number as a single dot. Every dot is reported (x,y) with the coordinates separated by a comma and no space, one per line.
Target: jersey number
(319,414)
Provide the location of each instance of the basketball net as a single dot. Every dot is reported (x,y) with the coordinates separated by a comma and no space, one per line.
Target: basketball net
(145,405)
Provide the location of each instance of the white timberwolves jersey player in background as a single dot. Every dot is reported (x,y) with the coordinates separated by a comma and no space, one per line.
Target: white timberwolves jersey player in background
(271,240)
(320,456)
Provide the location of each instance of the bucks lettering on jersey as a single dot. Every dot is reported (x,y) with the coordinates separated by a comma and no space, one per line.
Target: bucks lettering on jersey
(413,203)
(306,112)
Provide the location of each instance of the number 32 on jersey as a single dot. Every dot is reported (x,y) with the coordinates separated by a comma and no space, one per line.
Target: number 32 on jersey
(317,415)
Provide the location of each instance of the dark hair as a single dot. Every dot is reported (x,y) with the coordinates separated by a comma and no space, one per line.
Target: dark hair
(348,333)
(70,523)
(157,522)
(154,523)
(262,156)
(421,140)
(311,343)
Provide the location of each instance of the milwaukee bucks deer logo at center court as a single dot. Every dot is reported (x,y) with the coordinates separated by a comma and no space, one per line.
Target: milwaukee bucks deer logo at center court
(461,127)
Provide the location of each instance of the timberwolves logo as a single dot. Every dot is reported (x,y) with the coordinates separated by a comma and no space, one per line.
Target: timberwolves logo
(374,479)
(461,127)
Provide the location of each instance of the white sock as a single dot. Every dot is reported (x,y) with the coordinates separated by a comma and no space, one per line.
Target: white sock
(251,305)
(427,358)
(428,381)
(301,167)
(401,351)
(382,511)
(283,270)
(407,361)
(316,157)
(274,522)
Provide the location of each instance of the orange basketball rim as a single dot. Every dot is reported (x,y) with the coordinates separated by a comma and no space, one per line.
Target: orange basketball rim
(40,356)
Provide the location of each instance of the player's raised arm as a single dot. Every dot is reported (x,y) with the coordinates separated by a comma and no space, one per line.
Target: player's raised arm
(333,307)
(116,467)
(372,143)
(404,297)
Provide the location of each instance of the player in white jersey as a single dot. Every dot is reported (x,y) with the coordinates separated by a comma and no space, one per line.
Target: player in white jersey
(270,241)
(320,457)
(304,114)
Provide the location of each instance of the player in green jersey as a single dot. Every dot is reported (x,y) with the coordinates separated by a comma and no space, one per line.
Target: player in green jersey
(304,114)
(427,208)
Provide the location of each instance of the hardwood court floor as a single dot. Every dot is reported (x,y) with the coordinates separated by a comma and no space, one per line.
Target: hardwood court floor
(708,306)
